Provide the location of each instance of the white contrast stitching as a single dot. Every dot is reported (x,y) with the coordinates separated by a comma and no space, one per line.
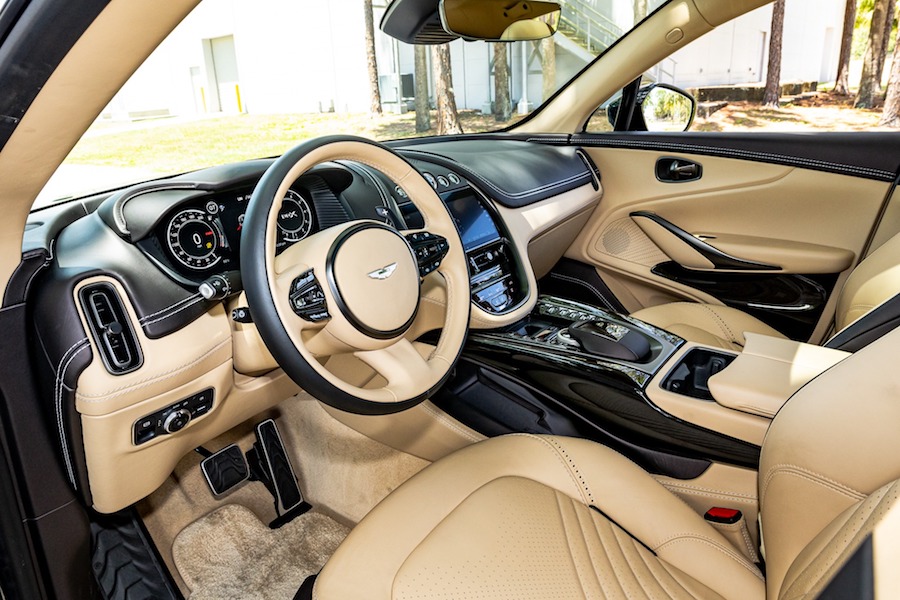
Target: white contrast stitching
(170,307)
(59,385)
(765,156)
(173,313)
(155,378)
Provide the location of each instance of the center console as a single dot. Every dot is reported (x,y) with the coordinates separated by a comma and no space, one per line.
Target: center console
(574,369)
(498,286)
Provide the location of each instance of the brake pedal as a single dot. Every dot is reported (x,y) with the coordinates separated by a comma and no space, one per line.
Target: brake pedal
(278,475)
(225,470)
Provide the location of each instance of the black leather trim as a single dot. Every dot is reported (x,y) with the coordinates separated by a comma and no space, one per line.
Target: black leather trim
(20,282)
(133,221)
(719,259)
(88,247)
(254,257)
(515,173)
(63,345)
(871,155)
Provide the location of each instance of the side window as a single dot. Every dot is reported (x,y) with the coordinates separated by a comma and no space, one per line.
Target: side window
(813,84)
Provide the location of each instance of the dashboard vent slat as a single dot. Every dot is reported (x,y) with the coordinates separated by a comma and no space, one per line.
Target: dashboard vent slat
(111,328)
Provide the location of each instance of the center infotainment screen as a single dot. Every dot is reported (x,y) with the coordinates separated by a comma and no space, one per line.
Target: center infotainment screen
(476,227)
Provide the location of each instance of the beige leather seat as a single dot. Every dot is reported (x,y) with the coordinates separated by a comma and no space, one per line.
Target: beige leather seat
(531,517)
(874,280)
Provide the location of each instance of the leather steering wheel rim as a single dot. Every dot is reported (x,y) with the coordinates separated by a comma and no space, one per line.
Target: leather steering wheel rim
(342,257)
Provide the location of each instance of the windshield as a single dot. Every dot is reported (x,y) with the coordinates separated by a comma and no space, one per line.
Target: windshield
(239,80)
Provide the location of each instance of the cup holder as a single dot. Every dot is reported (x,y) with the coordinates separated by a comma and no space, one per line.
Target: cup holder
(690,377)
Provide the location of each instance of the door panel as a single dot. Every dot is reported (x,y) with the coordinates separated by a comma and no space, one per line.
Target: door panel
(802,220)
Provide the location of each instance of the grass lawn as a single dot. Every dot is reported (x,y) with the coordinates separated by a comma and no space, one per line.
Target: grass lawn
(176,145)
(172,146)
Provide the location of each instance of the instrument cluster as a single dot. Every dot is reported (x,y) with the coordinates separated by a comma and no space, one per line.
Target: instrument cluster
(205,236)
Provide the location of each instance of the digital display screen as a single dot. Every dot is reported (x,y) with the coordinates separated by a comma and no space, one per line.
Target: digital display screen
(476,227)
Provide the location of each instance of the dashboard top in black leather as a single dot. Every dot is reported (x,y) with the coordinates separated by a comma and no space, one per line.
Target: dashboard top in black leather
(162,238)
(514,173)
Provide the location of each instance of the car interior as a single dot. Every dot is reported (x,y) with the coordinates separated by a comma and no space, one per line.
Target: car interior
(542,362)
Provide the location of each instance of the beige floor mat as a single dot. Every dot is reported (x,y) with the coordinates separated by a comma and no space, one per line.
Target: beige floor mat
(230,554)
(342,473)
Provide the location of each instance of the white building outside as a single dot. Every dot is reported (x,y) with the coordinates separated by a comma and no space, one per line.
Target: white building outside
(288,56)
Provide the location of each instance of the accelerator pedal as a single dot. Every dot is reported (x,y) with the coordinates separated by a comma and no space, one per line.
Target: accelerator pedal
(225,470)
(270,464)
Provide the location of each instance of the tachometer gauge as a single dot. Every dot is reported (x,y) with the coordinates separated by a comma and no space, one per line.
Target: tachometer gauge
(295,219)
(195,239)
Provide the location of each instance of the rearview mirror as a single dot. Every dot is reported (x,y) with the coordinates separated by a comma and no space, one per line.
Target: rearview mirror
(500,20)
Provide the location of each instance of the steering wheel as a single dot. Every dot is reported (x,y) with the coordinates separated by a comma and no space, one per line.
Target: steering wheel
(355,289)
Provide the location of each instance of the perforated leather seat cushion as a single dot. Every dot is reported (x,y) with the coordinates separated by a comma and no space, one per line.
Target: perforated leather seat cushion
(536,517)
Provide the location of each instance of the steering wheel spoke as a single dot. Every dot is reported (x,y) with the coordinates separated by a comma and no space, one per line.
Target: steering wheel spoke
(401,365)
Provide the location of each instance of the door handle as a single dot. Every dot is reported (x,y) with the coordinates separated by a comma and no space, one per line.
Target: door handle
(677,170)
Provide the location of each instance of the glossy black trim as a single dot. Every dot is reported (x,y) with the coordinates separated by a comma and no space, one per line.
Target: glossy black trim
(791,303)
(497,393)
(336,289)
(271,329)
(870,155)
(581,282)
(719,259)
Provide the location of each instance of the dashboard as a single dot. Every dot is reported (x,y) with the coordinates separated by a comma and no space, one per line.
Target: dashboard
(195,236)
(124,333)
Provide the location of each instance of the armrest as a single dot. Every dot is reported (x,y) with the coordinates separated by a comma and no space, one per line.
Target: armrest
(768,372)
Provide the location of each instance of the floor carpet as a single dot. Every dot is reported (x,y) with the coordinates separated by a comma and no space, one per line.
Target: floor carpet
(231,554)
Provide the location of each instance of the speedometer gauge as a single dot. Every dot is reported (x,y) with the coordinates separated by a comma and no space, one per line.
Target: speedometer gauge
(195,239)
(295,219)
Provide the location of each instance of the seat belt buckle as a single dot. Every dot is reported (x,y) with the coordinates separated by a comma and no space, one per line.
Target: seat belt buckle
(724,516)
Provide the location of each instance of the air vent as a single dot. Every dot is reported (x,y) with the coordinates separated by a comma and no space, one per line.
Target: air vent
(111,328)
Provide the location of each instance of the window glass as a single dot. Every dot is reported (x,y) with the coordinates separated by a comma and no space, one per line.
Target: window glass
(239,80)
(726,72)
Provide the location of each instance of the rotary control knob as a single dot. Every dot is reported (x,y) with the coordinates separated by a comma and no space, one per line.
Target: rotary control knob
(176,421)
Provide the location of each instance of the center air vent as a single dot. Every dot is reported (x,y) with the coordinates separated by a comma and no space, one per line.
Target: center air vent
(111,328)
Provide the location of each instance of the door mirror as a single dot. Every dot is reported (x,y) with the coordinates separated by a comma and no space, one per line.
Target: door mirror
(500,20)
(659,107)
(666,108)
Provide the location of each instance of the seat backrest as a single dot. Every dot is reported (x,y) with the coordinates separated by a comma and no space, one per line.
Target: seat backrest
(874,280)
(829,468)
